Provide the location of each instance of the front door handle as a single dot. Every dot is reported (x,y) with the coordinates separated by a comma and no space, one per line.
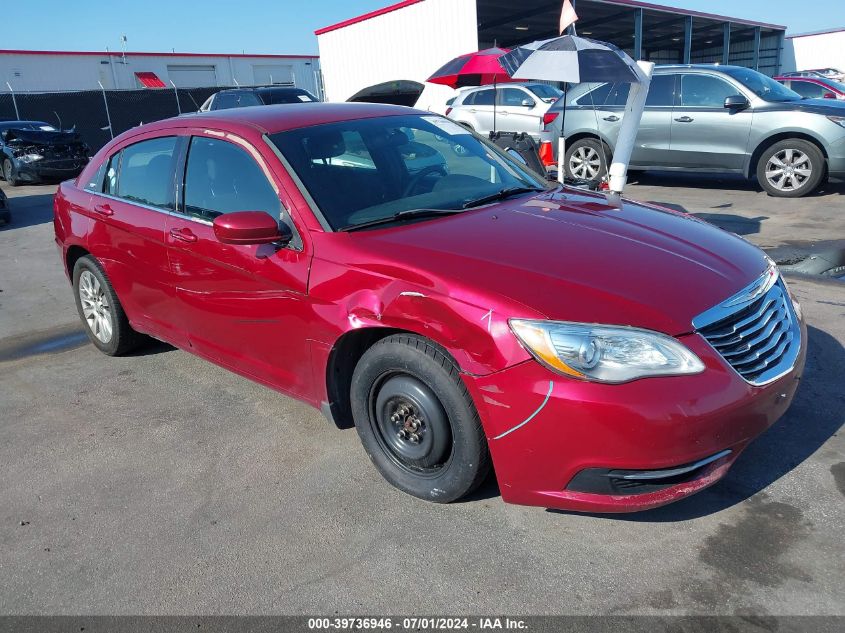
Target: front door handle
(612,118)
(183,235)
(104,209)
(684,119)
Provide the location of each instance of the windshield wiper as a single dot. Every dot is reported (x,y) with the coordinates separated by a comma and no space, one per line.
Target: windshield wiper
(401,215)
(507,192)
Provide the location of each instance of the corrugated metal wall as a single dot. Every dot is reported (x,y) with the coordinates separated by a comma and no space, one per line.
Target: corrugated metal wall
(410,43)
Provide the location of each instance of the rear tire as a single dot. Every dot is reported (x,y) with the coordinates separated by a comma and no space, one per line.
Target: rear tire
(586,159)
(417,421)
(790,168)
(105,321)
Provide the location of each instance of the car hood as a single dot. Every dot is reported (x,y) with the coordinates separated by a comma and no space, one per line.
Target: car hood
(832,107)
(42,137)
(567,255)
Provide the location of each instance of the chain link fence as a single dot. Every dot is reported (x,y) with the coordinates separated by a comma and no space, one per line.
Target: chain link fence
(99,115)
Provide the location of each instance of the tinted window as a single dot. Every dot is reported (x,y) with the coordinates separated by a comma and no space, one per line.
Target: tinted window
(226,100)
(484,97)
(146,172)
(595,97)
(662,91)
(110,182)
(221,178)
(705,91)
(545,92)
(808,89)
(619,95)
(286,95)
(513,97)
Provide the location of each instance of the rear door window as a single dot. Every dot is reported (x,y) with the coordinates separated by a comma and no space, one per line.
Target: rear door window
(513,97)
(705,91)
(144,173)
(485,98)
(662,91)
(221,177)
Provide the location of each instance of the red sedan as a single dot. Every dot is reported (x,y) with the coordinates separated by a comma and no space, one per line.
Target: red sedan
(454,308)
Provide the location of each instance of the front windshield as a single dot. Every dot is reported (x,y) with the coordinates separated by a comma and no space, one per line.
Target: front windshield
(764,87)
(545,92)
(367,169)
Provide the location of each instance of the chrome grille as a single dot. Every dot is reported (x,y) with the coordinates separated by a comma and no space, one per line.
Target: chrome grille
(755,331)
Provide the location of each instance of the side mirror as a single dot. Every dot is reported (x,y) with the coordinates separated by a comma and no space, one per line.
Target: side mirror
(251,227)
(736,102)
(828,95)
(528,103)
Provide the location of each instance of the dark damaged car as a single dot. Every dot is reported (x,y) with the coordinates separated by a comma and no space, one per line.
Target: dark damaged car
(34,151)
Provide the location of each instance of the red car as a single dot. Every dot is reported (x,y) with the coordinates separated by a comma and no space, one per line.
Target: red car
(460,315)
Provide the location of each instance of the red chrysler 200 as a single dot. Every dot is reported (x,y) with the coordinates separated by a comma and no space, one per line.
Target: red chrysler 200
(454,308)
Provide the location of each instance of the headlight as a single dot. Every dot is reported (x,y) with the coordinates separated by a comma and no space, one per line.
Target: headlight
(603,353)
(839,120)
(29,158)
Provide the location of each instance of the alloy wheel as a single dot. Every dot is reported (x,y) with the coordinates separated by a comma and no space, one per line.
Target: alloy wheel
(585,163)
(788,169)
(95,306)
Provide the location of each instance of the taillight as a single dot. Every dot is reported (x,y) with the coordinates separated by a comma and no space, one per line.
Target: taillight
(448,110)
(548,117)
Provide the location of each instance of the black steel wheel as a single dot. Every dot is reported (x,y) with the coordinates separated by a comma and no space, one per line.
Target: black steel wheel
(416,419)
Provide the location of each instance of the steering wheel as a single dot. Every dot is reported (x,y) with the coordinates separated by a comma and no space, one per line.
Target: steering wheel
(415,180)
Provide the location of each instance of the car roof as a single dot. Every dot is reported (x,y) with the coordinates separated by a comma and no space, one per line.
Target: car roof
(279,118)
(697,67)
(263,89)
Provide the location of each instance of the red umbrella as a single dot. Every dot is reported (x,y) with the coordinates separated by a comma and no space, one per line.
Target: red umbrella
(473,69)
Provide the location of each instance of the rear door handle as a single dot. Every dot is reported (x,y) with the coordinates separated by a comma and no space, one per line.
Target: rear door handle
(104,209)
(183,235)
(612,118)
(684,119)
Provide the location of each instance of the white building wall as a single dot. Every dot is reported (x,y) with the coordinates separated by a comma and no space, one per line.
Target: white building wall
(823,50)
(68,71)
(409,43)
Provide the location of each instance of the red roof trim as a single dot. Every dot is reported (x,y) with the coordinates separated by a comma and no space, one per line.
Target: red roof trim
(367,16)
(146,54)
(697,14)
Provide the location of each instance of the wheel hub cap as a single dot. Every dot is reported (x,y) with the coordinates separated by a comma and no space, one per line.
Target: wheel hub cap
(95,307)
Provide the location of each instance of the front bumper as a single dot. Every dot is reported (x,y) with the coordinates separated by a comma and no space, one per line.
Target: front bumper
(544,429)
(50,170)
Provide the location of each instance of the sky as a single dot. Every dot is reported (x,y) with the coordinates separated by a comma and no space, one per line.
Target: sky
(282,26)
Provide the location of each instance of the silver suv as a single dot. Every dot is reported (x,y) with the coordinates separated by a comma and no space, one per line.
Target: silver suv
(519,107)
(710,119)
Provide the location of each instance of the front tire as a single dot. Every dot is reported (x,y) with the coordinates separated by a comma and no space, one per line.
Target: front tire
(790,169)
(9,174)
(417,421)
(105,321)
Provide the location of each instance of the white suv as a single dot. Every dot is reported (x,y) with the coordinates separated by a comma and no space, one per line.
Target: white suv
(519,107)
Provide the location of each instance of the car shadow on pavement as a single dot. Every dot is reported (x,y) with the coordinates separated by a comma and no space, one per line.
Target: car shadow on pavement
(29,211)
(816,414)
(734,182)
(728,221)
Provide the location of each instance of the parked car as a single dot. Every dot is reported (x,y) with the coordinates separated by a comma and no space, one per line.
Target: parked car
(268,95)
(814,87)
(710,119)
(825,73)
(453,319)
(34,151)
(519,108)
(5,214)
